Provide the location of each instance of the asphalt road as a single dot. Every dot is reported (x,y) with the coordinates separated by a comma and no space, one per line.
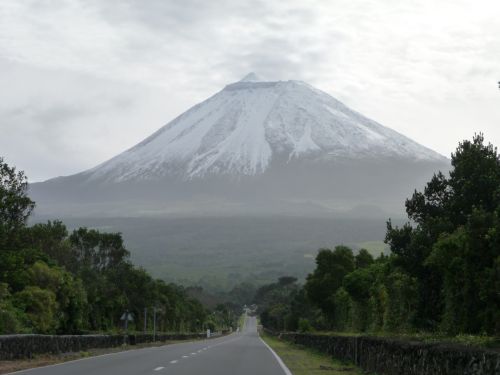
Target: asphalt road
(237,354)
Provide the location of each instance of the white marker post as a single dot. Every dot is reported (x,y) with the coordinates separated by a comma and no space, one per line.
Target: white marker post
(126,317)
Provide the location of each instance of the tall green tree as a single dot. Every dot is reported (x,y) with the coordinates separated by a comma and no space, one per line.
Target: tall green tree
(327,278)
(449,247)
(15,205)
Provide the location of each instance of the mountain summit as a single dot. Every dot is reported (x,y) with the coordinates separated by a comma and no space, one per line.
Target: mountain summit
(280,144)
(250,77)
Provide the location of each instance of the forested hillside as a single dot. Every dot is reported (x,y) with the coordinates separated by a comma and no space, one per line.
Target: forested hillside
(442,275)
(52,281)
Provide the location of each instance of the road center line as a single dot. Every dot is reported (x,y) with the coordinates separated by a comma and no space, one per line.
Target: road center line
(159,368)
(174,361)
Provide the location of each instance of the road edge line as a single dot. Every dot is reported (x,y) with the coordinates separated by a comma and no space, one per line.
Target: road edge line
(280,361)
(109,354)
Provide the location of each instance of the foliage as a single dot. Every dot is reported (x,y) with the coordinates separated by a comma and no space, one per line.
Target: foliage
(273,301)
(452,249)
(331,268)
(15,205)
(443,273)
(40,306)
(304,325)
(52,281)
(10,317)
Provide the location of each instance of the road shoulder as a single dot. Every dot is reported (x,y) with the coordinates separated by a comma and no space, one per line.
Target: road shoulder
(304,361)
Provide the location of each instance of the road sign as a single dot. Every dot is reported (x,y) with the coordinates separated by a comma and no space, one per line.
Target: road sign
(127,316)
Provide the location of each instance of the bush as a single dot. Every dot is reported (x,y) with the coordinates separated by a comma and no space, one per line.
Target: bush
(10,318)
(305,326)
(40,307)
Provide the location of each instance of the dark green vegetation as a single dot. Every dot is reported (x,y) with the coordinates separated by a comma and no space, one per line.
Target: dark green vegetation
(395,356)
(218,253)
(442,274)
(52,281)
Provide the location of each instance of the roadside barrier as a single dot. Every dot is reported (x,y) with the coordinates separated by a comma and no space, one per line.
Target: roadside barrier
(400,357)
(26,346)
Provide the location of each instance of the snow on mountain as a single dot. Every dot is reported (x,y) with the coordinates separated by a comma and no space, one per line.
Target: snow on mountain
(243,128)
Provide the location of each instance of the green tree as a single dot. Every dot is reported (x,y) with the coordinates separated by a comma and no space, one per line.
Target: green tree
(276,304)
(327,278)
(468,258)
(451,247)
(51,238)
(69,292)
(363,259)
(98,251)
(11,318)
(15,205)
(40,307)
(52,282)
(358,285)
(401,302)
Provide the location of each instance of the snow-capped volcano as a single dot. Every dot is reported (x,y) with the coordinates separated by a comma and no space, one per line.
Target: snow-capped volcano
(242,128)
(255,145)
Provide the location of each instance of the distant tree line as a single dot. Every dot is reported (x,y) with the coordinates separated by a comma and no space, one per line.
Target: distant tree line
(53,281)
(442,274)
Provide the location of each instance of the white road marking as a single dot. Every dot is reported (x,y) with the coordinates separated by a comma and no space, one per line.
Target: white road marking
(280,362)
(174,361)
(159,368)
(68,363)
(193,353)
(124,353)
(185,356)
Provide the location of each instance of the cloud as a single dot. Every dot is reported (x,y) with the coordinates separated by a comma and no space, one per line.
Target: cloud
(56,123)
(91,78)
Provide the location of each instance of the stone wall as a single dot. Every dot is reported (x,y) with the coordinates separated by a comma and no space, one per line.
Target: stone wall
(398,357)
(25,346)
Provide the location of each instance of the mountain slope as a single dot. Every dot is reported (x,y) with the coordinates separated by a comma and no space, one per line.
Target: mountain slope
(242,128)
(254,147)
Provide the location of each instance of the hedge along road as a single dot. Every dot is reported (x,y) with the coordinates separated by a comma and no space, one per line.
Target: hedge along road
(237,354)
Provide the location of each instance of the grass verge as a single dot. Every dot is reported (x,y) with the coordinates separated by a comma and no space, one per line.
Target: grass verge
(305,361)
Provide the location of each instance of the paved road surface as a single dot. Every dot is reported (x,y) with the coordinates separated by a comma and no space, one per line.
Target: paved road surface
(237,354)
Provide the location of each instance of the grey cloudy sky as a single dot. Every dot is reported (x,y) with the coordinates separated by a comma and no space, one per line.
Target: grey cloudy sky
(82,80)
